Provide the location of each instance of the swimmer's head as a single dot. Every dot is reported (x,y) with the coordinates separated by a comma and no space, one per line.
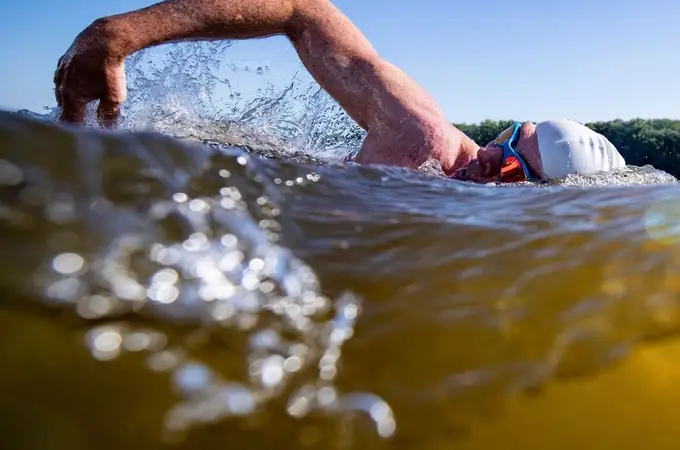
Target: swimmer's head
(550,149)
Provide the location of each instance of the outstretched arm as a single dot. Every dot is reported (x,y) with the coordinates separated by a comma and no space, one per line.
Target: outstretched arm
(377,95)
(334,51)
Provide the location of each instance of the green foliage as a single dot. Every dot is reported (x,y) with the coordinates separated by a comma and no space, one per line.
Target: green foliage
(640,141)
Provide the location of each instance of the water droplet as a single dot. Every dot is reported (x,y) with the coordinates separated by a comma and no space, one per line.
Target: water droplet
(265,339)
(68,263)
(180,197)
(192,378)
(162,293)
(105,342)
(95,306)
(229,241)
(61,209)
(300,403)
(238,400)
(66,289)
(163,361)
(292,364)
(167,276)
(199,205)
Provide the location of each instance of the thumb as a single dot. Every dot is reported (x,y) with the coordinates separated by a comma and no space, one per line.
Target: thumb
(72,108)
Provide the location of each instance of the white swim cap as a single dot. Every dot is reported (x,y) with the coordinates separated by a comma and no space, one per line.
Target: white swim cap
(569,147)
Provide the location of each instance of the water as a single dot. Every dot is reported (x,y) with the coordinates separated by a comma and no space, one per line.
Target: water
(238,285)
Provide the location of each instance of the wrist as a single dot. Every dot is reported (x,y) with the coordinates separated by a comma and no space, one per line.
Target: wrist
(110,35)
(120,35)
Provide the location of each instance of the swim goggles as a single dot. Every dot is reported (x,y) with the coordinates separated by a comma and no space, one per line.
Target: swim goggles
(513,167)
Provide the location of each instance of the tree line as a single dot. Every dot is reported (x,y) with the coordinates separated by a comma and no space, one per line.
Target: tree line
(640,141)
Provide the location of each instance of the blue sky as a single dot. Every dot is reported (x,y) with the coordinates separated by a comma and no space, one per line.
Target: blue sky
(497,59)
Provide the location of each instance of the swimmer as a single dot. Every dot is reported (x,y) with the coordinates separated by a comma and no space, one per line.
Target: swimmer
(405,125)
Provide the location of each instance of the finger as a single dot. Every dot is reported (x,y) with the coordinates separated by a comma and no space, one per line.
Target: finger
(116,92)
(72,108)
(108,112)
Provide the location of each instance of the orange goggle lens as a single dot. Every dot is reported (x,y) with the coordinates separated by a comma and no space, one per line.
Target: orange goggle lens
(512,171)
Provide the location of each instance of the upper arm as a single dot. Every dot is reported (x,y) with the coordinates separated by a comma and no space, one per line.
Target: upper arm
(374,93)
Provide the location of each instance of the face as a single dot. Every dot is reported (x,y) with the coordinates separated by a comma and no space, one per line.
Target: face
(486,167)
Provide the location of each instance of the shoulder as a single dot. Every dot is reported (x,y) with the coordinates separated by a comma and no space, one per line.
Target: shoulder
(413,141)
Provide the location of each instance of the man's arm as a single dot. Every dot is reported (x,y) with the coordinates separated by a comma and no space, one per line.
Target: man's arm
(377,95)
(334,51)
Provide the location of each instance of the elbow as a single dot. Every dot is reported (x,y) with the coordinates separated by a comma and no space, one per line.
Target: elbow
(301,15)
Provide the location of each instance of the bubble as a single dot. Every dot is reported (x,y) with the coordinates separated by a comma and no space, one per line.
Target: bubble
(143,340)
(229,241)
(231,261)
(351,311)
(95,306)
(163,361)
(180,197)
(192,378)
(250,281)
(61,209)
(66,289)
(105,342)
(327,396)
(377,409)
(266,287)
(162,293)
(237,399)
(168,276)
(165,256)
(265,339)
(228,203)
(223,311)
(196,242)
(199,205)
(301,403)
(127,288)
(292,364)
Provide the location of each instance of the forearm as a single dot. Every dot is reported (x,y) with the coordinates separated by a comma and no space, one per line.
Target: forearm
(180,20)
(336,53)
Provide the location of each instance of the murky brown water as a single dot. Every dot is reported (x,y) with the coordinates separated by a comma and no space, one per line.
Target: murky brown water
(161,293)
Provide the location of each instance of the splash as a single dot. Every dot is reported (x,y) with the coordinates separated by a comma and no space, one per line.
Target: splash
(173,238)
(185,90)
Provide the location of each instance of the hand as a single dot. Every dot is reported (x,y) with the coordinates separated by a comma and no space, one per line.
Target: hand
(91,69)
